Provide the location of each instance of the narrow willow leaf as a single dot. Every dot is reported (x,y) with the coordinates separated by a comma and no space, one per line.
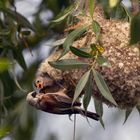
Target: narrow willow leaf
(64,14)
(20,19)
(135,29)
(5,110)
(4,64)
(127,114)
(91,7)
(103,61)
(19,58)
(88,93)
(93,47)
(1,95)
(68,64)
(12,71)
(2,3)
(96,29)
(138,108)
(81,84)
(71,37)
(4,33)
(102,123)
(103,88)
(113,3)
(79,52)
(55,43)
(128,13)
(99,110)
(62,17)
(98,107)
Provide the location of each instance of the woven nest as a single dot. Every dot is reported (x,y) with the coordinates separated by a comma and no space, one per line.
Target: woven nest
(123,79)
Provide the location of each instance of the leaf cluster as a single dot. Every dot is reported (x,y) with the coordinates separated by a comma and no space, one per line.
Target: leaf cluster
(93,52)
(115,9)
(17,34)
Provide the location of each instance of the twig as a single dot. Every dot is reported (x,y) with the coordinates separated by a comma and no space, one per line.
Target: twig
(74,130)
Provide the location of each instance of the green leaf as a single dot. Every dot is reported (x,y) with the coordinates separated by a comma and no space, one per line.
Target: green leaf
(63,15)
(88,93)
(81,84)
(4,33)
(135,29)
(71,37)
(103,61)
(128,13)
(96,29)
(68,64)
(56,43)
(20,19)
(2,3)
(16,81)
(91,7)
(99,110)
(127,114)
(5,130)
(60,17)
(13,35)
(79,52)
(138,108)
(93,47)
(102,123)
(4,64)
(98,107)
(8,88)
(103,88)
(19,57)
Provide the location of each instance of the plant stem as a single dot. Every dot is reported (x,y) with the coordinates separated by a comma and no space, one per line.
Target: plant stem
(74,130)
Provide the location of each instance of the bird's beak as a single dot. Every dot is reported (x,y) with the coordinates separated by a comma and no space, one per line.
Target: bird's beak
(33,99)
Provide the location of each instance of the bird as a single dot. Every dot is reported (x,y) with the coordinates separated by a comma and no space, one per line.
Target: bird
(42,81)
(58,103)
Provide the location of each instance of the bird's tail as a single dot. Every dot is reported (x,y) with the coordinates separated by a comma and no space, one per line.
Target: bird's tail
(89,114)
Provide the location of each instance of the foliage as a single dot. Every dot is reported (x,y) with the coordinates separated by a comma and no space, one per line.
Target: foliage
(135,29)
(71,37)
(17,34)
(115,9)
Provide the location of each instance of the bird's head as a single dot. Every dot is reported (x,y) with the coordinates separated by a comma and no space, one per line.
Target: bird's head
(41,82)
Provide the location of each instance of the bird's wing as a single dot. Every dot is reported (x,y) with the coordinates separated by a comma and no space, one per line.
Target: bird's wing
(63,100)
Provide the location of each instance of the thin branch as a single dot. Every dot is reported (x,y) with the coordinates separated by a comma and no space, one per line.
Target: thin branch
(74,130)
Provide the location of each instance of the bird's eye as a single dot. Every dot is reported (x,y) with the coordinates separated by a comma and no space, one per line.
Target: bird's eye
(38,81)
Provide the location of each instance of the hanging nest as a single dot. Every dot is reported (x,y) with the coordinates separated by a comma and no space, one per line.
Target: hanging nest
(123,78)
